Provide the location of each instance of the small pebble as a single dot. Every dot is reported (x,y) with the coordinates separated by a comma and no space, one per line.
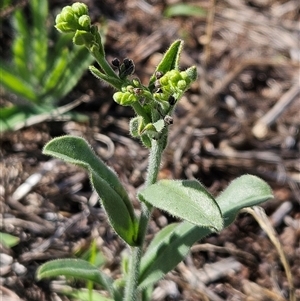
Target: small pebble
(18,268)
(51,216)
(5,259)
(162,221)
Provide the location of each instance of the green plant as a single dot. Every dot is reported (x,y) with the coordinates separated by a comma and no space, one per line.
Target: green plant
(201,213)
(38,76)
(8,240)
(184,9)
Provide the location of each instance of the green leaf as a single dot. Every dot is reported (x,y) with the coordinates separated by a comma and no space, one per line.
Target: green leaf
(14,84)
(77,268)
(186,199)
(56,73)
(20,47)
(17,117)
(169,61)
(169,247)
(84,295)
(183,9)
(78,62)
(113,195)
(13,116)
(39,39)
(245,191)
(8,240)
(172,244)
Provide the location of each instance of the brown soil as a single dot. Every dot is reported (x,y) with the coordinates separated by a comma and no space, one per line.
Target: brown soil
(247,54)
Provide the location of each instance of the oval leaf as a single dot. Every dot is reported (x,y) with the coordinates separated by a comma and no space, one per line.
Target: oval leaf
(76,268)
(171,245)
(185,199)
(245,191)
(113,195)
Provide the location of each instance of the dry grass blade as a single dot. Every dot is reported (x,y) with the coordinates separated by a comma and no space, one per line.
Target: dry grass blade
(260,216)
(260,129)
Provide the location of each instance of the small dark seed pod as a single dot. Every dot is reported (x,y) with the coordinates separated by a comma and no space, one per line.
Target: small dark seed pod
(116,62)
(127,68)
(172,100)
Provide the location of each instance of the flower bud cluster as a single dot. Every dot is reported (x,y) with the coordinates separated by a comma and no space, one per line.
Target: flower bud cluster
(173,84)
(131,93)
(73,18)
(127,96)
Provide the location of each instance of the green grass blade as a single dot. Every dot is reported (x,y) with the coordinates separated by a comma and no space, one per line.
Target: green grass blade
(39,39)
(56,73)
(20,47)
(184,9)
(86,296)
(15,84)
(77,65)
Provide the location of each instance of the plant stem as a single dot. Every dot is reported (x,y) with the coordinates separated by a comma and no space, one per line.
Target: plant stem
(108,70)
(140,111)
(131,291)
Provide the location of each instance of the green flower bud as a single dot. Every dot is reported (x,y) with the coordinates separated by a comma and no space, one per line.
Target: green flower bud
(164,81)
(82,37)
(125,98)
(79,9)
(64,27)
(174,76)
(65,21)
(181,84)
(73,18)
(67,14)
(118,97)
(85,22)
(129,88)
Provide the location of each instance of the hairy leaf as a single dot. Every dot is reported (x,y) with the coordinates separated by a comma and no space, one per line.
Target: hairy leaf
(169,61)
(186,199)
(245,191)
(172,243)
(113,195)
(76,268)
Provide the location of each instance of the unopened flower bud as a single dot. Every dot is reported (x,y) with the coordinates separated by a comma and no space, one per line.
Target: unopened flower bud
(73,18)
(181,84)
(79,9)
(125,98)
(85,22)
(83,37)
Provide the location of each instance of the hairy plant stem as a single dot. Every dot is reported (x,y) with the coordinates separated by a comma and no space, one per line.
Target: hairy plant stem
(131,291)
(108,70)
